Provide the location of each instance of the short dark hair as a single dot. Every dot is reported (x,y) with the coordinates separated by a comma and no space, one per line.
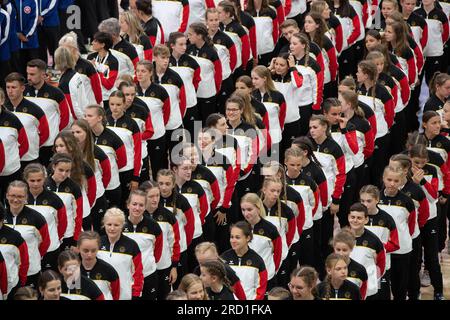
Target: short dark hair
(105,38)
(359,207)
(37,63)
(15,76)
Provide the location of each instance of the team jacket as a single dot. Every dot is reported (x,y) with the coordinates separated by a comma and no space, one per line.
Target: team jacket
(419,28)
(28,12)
(189,71)
(3,278)
(14,42)
(329,54)
(401,209)
(90,77)
(88,189)
(408,64)
(347,139)
(418,55)
(197,199)
(285,224)
(358,275)
(275,105)
(369,251)
(260,111)
(314,171)
(210,184)
(437,162)
(53,210)
(421,205)
(144,48)
(105,277)
(369,114)
(335,32)
(85,289)
(266,30)
(139,112)
(293,8)
(363,11)
(173,15)
(226,50)
(34,230)
(430,185)
(128,131)
(241,40)
(251,270)
(434,104)
(248,23)
(182,210)
(226,176)
(224,294)
(15,141)
(35,123)
(365,138)
(267,242)
(2,156)
(384,227)
(148,236)
(154,31)
(108,70)
(210,70)
(351,27)
(347,291)
(73,87)
(70,194)
(307,188)
(15,252)
(170,253)
(125,47)
(197,10)
(248,142)
(310,89)
(174,86)
(5,27)
(54,103)
(229,147)
(291,87)
(441,145)
(113,146)
(438,31)
(277,6)
(48,9)
(401,81)
(126,258)
(102,170)
(294,201)
(380,101)
(332,159)
(389,83)
(157,101)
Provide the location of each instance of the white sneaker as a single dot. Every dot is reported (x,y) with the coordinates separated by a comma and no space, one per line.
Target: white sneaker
(425,279)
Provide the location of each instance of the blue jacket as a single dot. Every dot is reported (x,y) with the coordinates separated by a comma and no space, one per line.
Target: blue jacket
(64,4)
(28,16)
(49,11)
(5,53)
(14,42)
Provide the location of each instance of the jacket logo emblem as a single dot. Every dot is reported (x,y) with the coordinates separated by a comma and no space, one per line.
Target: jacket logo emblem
(104,141)
(3,241)
(352,274)
(398,202)
(365,243)
(122,249)
(67,189)
(98,276)
(45,202)
(124,125)
(219,41)
(6,123)
(261,232)
(185,64)
(169,81)
(438,144)
(144,229)
(25,110)
(24,221)
(199,176)
(133,115)
(189,190)
(248,262)
(381,223)
(204,55)
(152,94)
(80,70)
(302,182)
(160,218)
(27,10)
(308,174)
(46,95)
(231,30)
(347,295)
(326,150)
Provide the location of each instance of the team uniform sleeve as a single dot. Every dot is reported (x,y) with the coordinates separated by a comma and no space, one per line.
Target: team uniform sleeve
(217,74)
(45,238)
(231,179)
(369,147)
(62,220)
(3,277)
(239,290)
(185,16)
(115,288)
(352,141)
(138,275)
(412,220)
(24,262)
(393,243)
(64,113)
(176,244)
(424,38)
(356,29)
(149,130)
(189,227)
(197,78)
(23,141)
(105,166)
(78,216)
(216,193)
(405,90)
(424,211)
(91,190)
(301,217)
(363,289)
(96,86)
(233,56)
(277,251)
(137,145)
(261,289)
(166,110)
(339,37)
(291,229)
(333,64)
(44,129)
(389,111)
(340,179)
(245,50)
(381,261)
(297,77)
(203,206)
(159,244)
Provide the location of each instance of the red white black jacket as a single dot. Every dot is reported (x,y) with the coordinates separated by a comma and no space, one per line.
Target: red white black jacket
(85,289)
(129,132)
(358,275)
(351,27)
(91,79)
(105,277)
(139,112)
(311,90)
(210,184)
(173,15)
(365,138)
(210,70)
(15,141)
(114,148)
(197,10)
(421,204)
(315,171)
(438,31)
(251,270)
(54,103)
(3,278)
(348,140)
(332,159)
(430,185)
(126,258)
(125,47)
(266,30)
(291,86)
(53,210)
(170,254)
(369,251)
(347,291)
(335,32)
(241,40)
(441,145)
(34,230)
(248,23)
(267,242)
(102,170)
(419,28)
(153,29)
(148,236)
(401,209)
(108,70)
(35,123)
(157,100)
(174,86)
(15,252)
(144,48)
(226,50)
(369,114)
(295,202)
(182,210)
(189,71)
(70,194)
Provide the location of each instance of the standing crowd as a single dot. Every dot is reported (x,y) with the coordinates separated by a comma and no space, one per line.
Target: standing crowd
(199,149)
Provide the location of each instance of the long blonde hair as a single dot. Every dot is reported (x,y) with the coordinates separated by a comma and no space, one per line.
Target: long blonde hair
(255,200)
(189,280)
(264,72)
(135,30)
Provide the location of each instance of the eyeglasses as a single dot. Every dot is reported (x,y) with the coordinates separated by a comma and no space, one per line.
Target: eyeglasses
(15,196)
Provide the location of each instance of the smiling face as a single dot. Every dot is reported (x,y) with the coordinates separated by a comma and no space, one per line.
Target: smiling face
(233,112)
(17,198)
(299,289)
(357,220)
(136,206)
(238,240)
(212,21)
(206,277)
(204,140)
(196,291)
